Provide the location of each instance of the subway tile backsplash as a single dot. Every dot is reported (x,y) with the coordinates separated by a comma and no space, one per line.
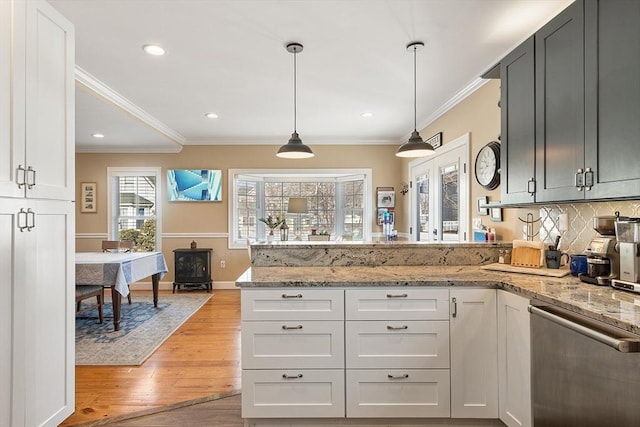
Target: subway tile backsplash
(580,232)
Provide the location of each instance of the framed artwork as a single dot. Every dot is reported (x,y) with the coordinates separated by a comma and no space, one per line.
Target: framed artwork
(194,185)
(386,197)
(88,197)
(481,201)
(496,214)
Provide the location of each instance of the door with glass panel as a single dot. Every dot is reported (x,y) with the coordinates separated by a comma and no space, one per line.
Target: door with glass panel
(439,195)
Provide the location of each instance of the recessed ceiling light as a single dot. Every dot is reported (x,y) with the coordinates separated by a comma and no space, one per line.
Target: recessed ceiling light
(97,135)
(153,49)
(367,114)
(211,115)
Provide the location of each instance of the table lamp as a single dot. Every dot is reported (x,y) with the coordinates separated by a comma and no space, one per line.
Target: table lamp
(298,205)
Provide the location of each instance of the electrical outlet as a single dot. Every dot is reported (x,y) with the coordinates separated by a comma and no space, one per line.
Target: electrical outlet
(223,263)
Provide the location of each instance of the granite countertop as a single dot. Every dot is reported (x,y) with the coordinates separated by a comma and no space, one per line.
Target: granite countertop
(614,307)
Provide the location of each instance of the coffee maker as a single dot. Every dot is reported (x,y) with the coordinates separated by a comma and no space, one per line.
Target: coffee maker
(628,237)
(603,260)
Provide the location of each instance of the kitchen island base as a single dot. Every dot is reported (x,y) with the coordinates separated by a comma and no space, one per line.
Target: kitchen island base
(372,422)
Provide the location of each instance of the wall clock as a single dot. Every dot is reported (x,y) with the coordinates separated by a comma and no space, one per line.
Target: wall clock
(487,168)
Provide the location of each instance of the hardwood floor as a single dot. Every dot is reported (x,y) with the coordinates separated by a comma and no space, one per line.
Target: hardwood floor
(200,359)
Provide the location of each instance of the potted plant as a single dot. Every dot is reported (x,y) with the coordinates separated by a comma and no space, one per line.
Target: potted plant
(272,224)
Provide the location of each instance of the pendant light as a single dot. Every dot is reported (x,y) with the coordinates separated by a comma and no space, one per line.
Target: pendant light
(415,146)
(295,148)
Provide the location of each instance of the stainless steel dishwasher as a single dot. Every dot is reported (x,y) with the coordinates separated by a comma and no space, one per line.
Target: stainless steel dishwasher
(583,372)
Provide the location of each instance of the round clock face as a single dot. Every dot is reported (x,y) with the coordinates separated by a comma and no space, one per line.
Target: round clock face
(488,166)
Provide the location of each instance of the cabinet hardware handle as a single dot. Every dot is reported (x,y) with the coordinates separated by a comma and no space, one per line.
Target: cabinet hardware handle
(455,307)
(531,186)
(397,377)
(20,176)
(397,296)
(291,296)
(588,178)
(285,327)
(397,328)
(579,180)
(22,214)
(31,173)
(291,377)
(31,225)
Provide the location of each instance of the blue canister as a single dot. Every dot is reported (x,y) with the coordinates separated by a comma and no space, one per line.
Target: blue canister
(578,264)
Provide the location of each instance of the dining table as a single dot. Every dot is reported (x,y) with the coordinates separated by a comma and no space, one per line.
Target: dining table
(117,270)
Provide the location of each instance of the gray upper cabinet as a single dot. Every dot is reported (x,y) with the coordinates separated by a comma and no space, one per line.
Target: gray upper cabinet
(560,106)
(612,97)
(580,75)
(517,101)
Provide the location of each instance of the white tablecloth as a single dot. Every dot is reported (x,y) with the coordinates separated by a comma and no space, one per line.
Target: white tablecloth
(118,269)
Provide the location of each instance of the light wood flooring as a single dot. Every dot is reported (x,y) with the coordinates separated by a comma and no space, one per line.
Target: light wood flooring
(200,359)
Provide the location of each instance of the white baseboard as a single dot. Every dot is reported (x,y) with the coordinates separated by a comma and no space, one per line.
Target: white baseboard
(168,286)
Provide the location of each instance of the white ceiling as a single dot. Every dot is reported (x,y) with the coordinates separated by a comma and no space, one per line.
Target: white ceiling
(229,57)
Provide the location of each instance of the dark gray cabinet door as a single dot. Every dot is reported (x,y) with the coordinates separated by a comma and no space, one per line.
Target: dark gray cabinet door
(612,79)
(560,105)
(517,103)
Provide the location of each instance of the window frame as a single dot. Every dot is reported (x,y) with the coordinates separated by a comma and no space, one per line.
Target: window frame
(113,172)
(297,175)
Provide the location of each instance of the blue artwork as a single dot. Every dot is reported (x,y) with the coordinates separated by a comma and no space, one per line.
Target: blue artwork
(194,185)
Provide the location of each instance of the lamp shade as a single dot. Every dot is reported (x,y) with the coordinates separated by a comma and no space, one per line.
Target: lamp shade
(294,149)
(415,147)
(297,205)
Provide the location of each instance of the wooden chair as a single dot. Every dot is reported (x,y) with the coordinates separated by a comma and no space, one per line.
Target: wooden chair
(88,291)
(118,246)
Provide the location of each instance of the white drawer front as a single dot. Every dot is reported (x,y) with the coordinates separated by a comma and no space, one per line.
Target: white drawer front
(397,303)
(397,344)
(292,303)
(292,344)
(398,393)
(293,393)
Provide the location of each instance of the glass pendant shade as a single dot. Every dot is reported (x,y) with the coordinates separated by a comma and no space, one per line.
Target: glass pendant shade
(415,146)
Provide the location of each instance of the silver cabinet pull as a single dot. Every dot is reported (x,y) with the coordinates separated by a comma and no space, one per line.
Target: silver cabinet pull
(397,328)
(285,327)
(291,296)
(531,186)
(455,307)
(397,377)
(579,180)
(588,178)
(31,173)
(291,377)
(31,224)
(397,296)
(23,223)
(21,179)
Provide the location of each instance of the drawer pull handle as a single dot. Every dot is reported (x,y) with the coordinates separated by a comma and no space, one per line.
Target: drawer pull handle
(397,328)
(291,296)
(397,296)
(397,377)
(291,377)
(285,327)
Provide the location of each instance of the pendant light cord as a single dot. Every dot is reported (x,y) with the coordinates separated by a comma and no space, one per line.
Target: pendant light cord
(415,84)
(295,107)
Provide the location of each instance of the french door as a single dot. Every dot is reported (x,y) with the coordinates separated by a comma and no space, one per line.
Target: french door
(440,194)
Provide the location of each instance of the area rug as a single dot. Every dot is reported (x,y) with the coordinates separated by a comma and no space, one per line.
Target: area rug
(143,328)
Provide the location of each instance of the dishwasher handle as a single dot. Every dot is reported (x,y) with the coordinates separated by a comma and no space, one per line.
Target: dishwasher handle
(623,345)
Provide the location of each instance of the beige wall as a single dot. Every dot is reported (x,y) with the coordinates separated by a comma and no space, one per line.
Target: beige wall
(478,115)
(213,217)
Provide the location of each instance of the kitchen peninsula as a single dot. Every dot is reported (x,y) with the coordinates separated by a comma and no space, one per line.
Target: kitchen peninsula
(349,331)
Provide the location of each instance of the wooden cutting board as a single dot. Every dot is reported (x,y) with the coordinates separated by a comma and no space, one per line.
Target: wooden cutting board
(549,272)
(525,257)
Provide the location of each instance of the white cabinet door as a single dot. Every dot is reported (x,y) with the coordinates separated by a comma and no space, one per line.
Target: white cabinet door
(293,344)
(293,393)
(397,393)
(514,360)
(408,303)
(292,304)
(397,344)
(474,361)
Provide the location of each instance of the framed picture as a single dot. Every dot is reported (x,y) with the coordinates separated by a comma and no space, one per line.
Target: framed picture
(386,197)
(88,197)
(496,214)
(194,185)
(481,201)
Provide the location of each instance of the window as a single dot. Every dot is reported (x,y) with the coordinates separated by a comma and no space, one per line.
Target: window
(338,203)
(134,211)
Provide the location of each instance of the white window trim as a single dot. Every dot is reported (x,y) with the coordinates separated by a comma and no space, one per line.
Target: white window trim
(136,171)
(297,175)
